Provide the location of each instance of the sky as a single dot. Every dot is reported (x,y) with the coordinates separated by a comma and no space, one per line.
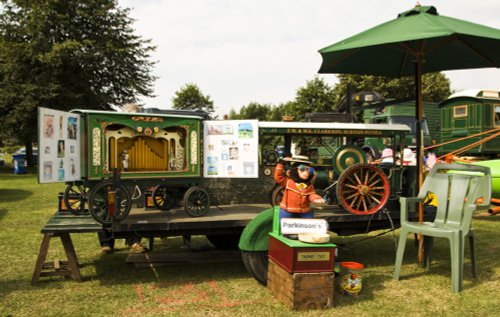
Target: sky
(243,51)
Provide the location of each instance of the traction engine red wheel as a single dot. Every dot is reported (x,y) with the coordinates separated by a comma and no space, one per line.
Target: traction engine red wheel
(363,189)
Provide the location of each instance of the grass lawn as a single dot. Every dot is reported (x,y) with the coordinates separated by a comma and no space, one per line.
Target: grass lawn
(113,288)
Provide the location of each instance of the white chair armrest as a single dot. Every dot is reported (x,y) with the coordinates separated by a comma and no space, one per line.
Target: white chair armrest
(405,203)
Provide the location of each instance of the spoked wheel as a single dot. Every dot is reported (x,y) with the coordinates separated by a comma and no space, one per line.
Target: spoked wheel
(196,201)
(98,203)
(74,199)
(363,189)
(276,195)
(162,198)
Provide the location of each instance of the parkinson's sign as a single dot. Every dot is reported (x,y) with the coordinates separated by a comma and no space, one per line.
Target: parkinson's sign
(300,225)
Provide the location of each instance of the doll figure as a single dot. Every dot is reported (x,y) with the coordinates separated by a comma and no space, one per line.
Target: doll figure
(298,188)
(125,160)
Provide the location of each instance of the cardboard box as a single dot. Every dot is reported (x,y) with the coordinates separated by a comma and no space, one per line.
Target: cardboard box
(295,256)
(301,290)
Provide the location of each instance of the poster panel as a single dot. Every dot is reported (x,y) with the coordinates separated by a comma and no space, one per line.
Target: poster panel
(231,149)
(58,146)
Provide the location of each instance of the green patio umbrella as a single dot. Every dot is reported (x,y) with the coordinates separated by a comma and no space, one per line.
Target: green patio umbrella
(417,41)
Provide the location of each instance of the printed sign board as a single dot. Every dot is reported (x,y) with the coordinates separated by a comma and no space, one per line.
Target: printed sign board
(58,146)
(231,149)
(300,225)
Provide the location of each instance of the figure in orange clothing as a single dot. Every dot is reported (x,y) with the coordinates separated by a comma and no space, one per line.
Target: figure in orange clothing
(298,188)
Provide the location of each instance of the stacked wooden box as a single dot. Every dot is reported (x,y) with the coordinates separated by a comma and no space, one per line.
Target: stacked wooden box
(301,290)
(300,275)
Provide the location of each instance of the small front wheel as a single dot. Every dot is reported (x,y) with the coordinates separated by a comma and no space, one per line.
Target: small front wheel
(162,198)
(196,201)
(98,203)
(74,199)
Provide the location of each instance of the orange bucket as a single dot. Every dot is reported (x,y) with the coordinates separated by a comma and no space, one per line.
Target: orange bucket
(351,280)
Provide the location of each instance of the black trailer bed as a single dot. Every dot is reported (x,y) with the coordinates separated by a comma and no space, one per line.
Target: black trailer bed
(233,219)
(176,222)
(219,220)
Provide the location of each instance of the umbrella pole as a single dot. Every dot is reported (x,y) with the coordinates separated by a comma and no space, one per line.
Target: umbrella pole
(419,138)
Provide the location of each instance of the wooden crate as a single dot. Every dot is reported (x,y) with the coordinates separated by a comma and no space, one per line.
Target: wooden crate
(301,290)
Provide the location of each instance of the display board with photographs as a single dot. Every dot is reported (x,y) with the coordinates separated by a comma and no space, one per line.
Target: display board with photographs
(59,146)
(231,148)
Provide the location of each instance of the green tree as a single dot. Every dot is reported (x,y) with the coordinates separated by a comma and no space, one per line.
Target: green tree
(253,110)
(316,96)
(435,86)
(233,114)
(190,97)
(64,55)
(280,110)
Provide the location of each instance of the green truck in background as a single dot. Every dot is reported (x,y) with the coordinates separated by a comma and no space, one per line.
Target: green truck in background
(372,107)
(403,112)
